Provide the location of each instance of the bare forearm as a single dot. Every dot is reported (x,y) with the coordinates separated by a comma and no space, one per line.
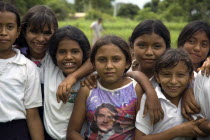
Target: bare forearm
(73,135)
(165,135)
(142,79)
(35,126)
(205,127)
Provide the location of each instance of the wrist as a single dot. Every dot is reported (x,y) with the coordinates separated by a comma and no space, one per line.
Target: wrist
(73,76)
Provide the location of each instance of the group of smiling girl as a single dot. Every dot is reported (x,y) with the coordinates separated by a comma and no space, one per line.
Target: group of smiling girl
(45,100)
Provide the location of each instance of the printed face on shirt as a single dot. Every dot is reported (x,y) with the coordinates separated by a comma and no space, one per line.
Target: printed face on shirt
(147,48)
(9,31)
(37,41)
(110,63)
(105,120)
(198,47)
(174,80)
(69,56)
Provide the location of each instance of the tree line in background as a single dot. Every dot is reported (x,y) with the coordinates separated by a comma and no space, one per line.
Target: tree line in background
(166,10)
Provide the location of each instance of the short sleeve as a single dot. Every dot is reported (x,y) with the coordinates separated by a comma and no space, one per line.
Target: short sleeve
(33,97)
(143,124)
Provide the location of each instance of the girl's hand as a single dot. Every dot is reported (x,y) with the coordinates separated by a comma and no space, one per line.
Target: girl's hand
(205,127)
(205,67)
(189,105)
(64,88)
(153,107)
(90,81)
(191,129)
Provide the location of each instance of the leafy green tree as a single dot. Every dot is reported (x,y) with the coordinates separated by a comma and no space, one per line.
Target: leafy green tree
(128,10)
(146,13)
(62,10)
(153,5)
(24,5)
(99,5)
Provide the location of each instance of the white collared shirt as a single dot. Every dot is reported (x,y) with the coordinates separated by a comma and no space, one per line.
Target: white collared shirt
(56,115)
(172,116)
(19,88)
(202,96)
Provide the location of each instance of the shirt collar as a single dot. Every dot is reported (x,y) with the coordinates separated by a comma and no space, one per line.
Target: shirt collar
(20,59)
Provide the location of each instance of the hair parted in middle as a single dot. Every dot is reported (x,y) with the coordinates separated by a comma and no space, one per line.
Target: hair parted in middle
(115,40)
(72,33)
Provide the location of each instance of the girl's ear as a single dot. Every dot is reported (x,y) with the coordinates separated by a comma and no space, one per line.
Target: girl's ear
(157,77)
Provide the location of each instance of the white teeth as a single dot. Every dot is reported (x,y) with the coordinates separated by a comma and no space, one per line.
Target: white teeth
(68,64)
(39,45)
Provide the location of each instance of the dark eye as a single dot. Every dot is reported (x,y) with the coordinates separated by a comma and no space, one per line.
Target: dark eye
(34,31)
(181,75)
(141,45)
(116,59)
(166,74)
(75,51)
(157,46)
(102,59)
(47,32)
(61,51)
(204,44)
(191,41)
(10,27)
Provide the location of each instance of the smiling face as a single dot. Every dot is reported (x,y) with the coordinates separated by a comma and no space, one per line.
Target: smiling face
(198,47)
(8,32)
(174,81)
(37,41)
(147,48)
(110,63)
(69,56)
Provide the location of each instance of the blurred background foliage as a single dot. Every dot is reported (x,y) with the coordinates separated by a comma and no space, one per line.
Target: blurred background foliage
(166,10)
(121,18)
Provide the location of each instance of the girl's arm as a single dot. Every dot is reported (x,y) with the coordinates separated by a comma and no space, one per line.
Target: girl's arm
(78,115)
(205,127)
(66,85)
(187,129)
(34,124)
(139,92)
(205,67)
(189,105)
(152,105)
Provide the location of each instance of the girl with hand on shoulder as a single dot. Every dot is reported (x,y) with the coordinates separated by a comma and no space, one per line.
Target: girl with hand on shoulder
(110,109)
(69,49)
(173,72)
(20,84)
(195,39)
(148,41)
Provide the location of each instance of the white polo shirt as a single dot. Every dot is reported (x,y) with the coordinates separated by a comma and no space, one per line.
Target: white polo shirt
(202,96)
(172,116)
(56,115)
(19,87)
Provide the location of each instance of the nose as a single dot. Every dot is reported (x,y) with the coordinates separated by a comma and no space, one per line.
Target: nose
(109,65)
(173,79)
(197,47)
(68,55)
(3,31)
(40,37)
(149,51)
(105,119)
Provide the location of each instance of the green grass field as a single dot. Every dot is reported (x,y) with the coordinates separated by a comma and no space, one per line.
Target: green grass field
(121,27)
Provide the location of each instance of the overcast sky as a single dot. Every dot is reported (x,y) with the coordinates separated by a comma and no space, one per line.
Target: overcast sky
(140,3)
